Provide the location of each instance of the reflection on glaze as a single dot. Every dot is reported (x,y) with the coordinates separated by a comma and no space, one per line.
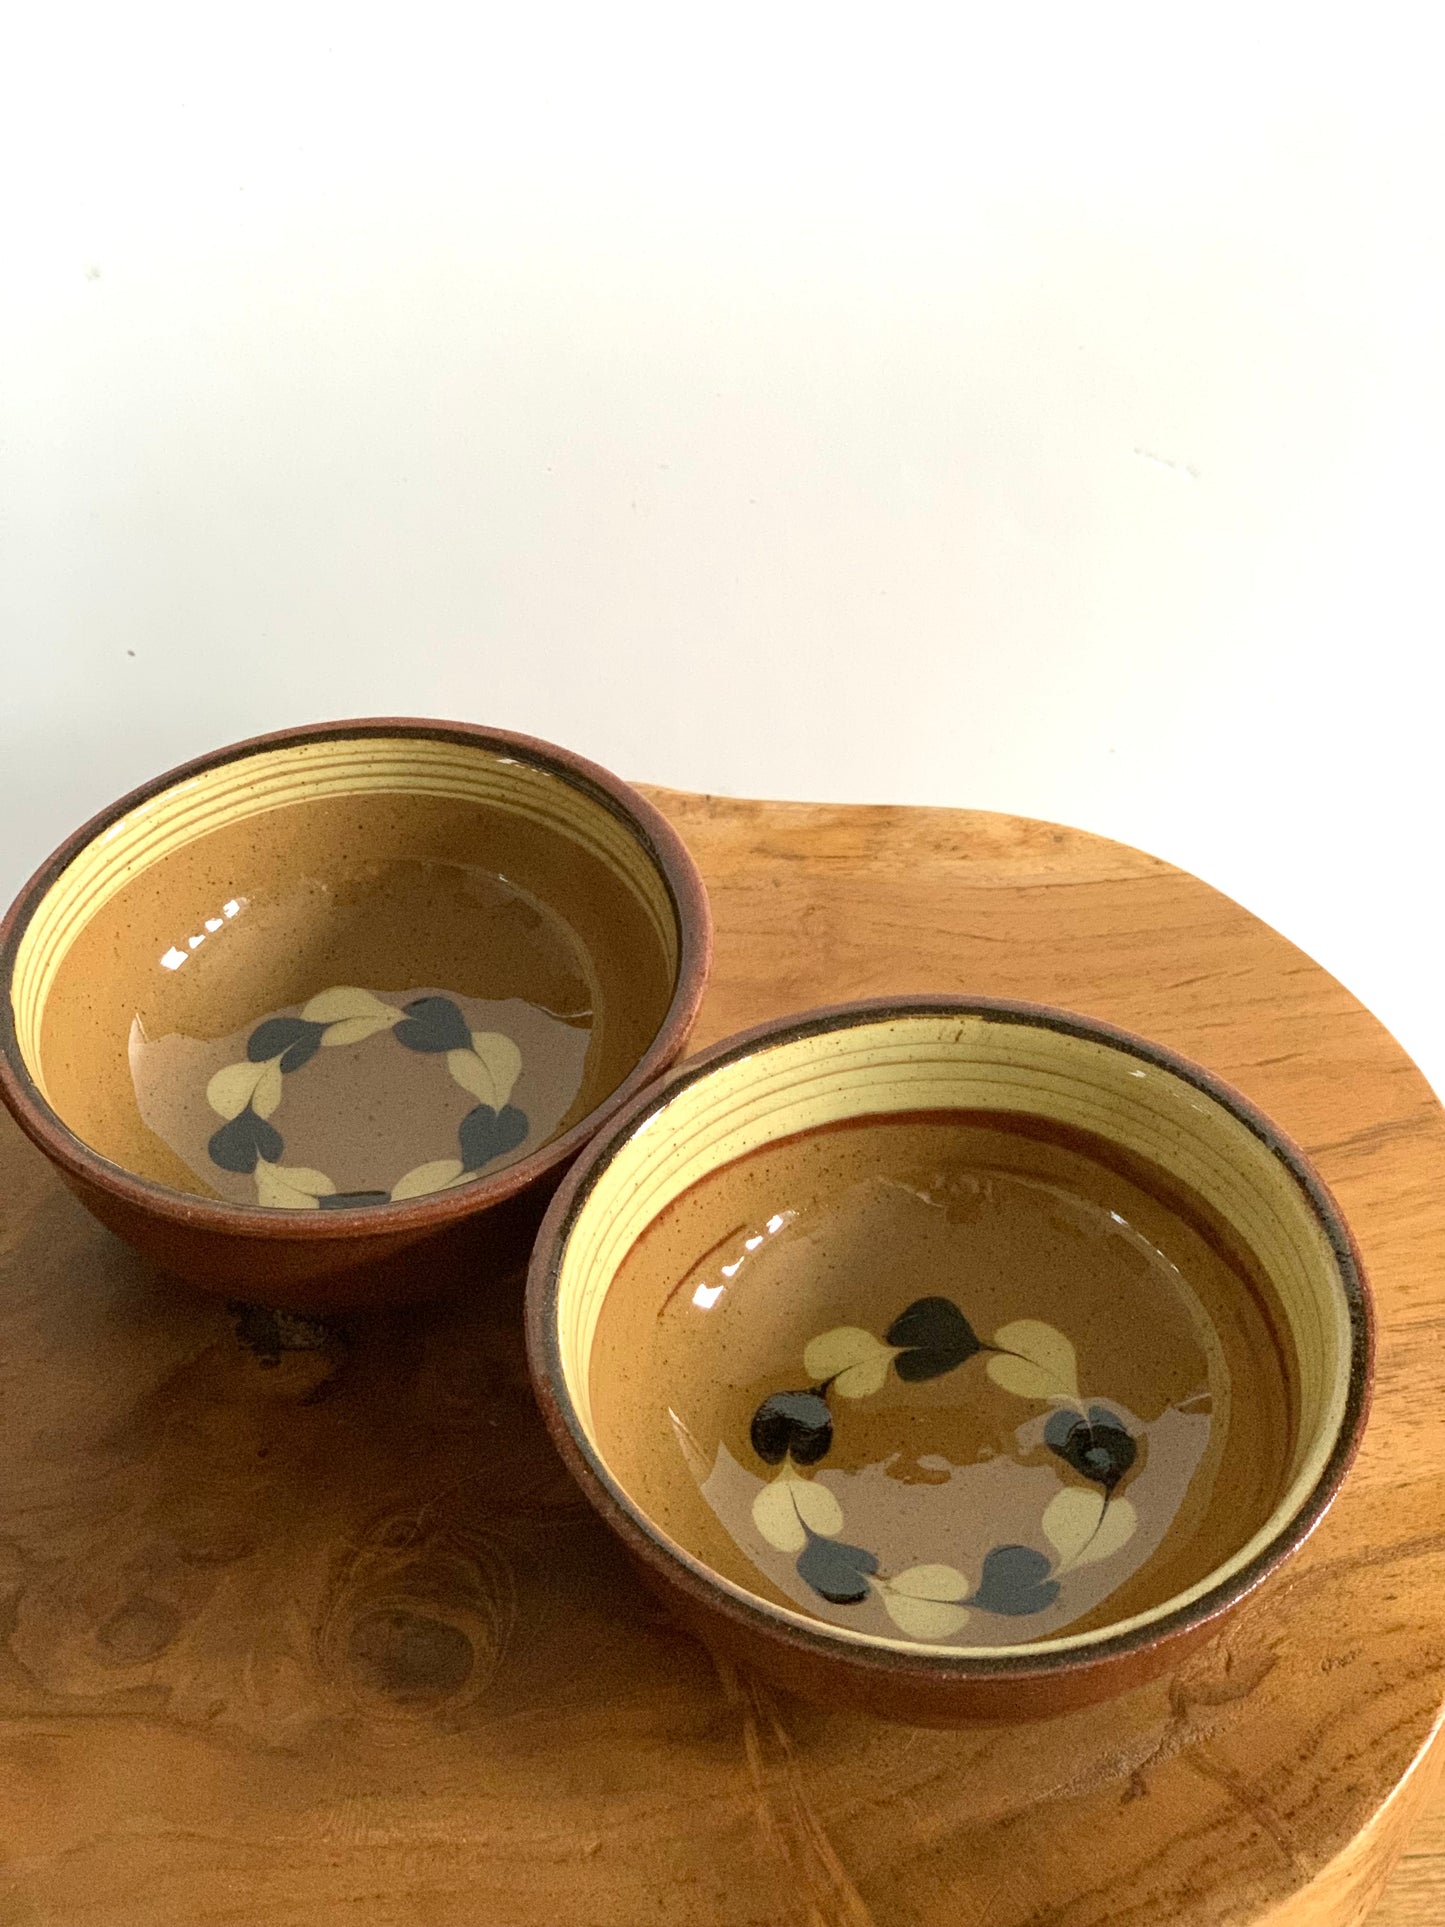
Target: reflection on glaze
(947,1380)
(945,1377)
(484,1063)
(173,958)
(375,1111)
(794,1430)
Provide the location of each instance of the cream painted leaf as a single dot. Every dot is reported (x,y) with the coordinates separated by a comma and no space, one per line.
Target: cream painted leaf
(291,1188)
(426,1178)
(785,1511)
(776,1517)
(861,1381)
(300,1177)
(1023,1379)
(1116,1529)
(818,1508)
(267,1094)
(1071,1518)
(475,1076)
(925,1618)
(355,1030)
(230,1090)
(1034,1360)
(853,1360)
(932,1582)
(280,1197)
(502,1059)
(346,1000)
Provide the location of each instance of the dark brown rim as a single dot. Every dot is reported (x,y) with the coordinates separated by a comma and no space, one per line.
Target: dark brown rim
(755,1615)
(652,831)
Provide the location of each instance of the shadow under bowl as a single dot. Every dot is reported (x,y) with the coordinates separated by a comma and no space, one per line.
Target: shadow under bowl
(950,1359)
(318,1020)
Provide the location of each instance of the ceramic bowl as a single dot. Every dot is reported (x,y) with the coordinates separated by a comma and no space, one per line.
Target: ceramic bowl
(953,1360)
(317,1019)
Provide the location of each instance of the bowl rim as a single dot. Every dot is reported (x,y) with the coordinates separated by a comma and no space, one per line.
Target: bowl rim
(752,1614)
(656,836)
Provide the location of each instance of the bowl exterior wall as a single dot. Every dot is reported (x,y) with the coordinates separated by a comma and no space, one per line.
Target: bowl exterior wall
(913,1697)
(344,1274)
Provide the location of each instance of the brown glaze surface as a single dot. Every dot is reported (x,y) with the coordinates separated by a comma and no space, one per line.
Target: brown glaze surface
(305,1626)
(364,891)
(1164,1452)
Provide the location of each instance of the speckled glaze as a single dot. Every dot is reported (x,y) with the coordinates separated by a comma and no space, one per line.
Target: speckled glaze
(751,1486)
(319,1019)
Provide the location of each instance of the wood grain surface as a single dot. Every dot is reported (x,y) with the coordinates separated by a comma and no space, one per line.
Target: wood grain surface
(301,1623)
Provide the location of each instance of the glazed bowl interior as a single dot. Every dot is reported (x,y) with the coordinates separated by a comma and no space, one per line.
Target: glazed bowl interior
(348,969)
(956,1332)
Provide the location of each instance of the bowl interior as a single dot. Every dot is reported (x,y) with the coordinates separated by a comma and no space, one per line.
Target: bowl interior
(345,970)
(954,1332)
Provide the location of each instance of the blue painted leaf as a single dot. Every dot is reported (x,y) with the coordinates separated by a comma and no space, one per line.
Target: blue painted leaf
(485,1134)
(1098,1447)
(280,1034)
(836,1570)
(936,1337)
(792,1422)
(239,1145)
(1015,1580)
(302,1051)
(347,1200)
(433,1024)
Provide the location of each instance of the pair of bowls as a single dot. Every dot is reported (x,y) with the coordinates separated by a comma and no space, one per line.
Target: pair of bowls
(947,1358)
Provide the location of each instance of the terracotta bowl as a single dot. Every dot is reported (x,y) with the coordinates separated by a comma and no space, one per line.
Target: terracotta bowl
(319,1018)
(953,1360)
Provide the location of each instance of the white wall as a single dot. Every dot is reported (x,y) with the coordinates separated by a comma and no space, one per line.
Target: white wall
(1035,408)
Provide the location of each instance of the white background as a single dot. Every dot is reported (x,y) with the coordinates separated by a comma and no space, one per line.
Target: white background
(1032,408)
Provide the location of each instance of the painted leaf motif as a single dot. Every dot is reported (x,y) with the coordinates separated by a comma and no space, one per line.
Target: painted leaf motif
(1015,1581)
(267,1094)
(345,1001)
(1116,1529)
(502,1061)
(229,1091)
(433,1024)
(930,1619)
(300,1177)
(836,1570)
(790,1509)
(303,1050)
(279,1035)
(485,1134)
(293,1188)
(931,1337)
(1071,1518)
(427,1178)
(792,1424)
(945,1583)
(853,1360)
(246,1140)
(1034,1360)
(1099,1446)
(349,1200)
(1022,1378)
(477,1075)
(355,1030)
(280,1197)
(817,1507)
(776,1517)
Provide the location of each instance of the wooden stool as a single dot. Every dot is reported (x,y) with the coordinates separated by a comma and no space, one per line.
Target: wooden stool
(301,1623)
